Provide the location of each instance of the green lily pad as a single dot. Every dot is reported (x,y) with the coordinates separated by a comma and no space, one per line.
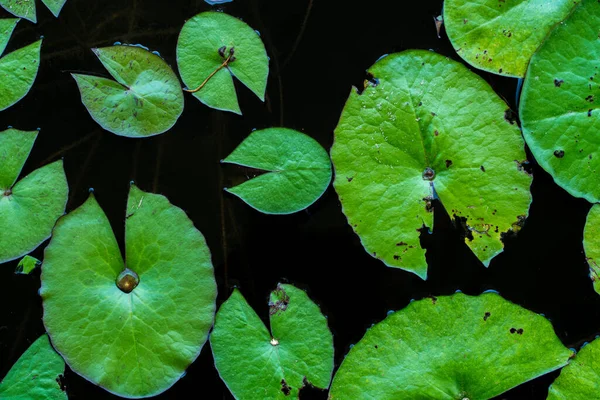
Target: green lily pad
(559,103)
(256,364)
(30,207)
(501,36)
(591,244)
(580,380)
(27,264)
(428,128)
(17,69)
(36,375)
(145,100)
(130,327)
(26,8)
(299,170)
(450,347)
(212,48)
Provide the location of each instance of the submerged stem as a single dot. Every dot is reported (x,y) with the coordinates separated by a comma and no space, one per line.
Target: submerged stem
(220,67)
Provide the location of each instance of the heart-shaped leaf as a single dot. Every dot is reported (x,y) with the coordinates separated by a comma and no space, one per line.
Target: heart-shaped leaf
(130,327)
(146,98)
(27,264)
(30,207)
(299,170)
(256,364)
(212,48)
(591,244)
(559,103)
(17,69)
(428,128)
(500,36)
(26,8)
(36,375)
(450,347)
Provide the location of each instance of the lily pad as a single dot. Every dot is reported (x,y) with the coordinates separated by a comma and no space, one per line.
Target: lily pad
(450,347)
(429,127)
(299,170)
(256,364)
(130,327)
(212,48)
(17,69)
(26,8)
(559,103)
(146,98)
(501,36)
(580,380)
(36,375)
(30,207)
(27,264)
(591,244)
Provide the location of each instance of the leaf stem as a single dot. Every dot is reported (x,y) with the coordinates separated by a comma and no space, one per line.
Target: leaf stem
(220,67)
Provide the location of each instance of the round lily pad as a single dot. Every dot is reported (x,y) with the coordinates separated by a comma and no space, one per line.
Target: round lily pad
(26,8)
(212,48)
(17,69)
(30,207)
(298,170)
(146,98)
(256,364)
(559,103)
(133,326)
(450,347)
(428,128)
(580,380)
(591,244)
(500,36)
(36,375)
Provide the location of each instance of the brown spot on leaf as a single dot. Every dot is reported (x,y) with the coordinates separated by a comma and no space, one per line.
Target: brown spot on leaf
(285,388)
(486,315)
(281,304)
(558,82)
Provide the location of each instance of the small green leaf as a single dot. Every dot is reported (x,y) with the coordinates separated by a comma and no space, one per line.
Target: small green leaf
(429,127)
(559,103)
(255,364)
(17,69)
(55,6)
(580,380)
(299,170)
(30,207)
(36,375)
(27,264)
(591,244)
(500,36)
(450,347)
(145,100)
(205,45)
(26,8)
(130,327)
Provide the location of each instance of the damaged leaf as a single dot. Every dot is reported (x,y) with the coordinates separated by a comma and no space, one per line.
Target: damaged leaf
(27,264)
(453,347)
(429,127)
(256,364)
(26,8)
(559,103)
(213,47)
(36,375)
(500,36)
(580,380)
(134,326)
(146,98)
(29,207)
(298,170)
(591,244)
(19,68)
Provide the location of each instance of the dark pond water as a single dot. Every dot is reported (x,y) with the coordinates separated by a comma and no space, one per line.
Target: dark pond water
(543,269)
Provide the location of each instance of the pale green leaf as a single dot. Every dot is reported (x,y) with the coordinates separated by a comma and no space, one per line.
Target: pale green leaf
(135,342)
(145,100)
(55,6)
(299,170)
(449,348)
(20,8)
(7,26)
(256,364)
(591,244)
(27,264)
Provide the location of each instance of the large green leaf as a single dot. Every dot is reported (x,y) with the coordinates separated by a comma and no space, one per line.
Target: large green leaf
(30,207)
(256,364)
(145,100)
(559,103)
(134,327)
(450,347)
(26,8)
(500,36)
(217,43)
(36,375)
(580,380)
(591,244)
(430,127)
(299,170)
(17,69)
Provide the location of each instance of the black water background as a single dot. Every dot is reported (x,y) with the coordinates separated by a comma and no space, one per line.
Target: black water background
(543,269)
